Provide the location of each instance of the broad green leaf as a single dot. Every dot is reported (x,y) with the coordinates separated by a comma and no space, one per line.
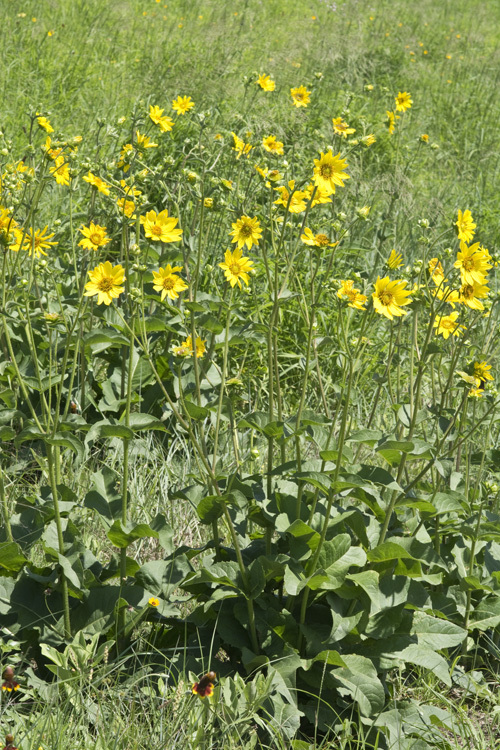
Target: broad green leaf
(435,632)
(388,551)
(106,429)
(138,421)
(122,535)
(487,614)
(11,557)
(66,440)
(359,680)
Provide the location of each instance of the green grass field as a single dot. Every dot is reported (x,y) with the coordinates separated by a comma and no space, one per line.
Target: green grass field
(249,425)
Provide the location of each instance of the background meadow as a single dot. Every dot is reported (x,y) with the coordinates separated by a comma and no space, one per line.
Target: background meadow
(286,535)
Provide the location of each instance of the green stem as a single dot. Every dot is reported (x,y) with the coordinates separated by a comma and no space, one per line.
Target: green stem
(5,509)
(60,540)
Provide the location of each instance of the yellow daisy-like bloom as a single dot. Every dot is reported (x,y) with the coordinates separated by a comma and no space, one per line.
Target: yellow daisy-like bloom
(182,104)
(156,115)
(355,299)
(7,223)
(341,127)
(272,145)
(320,196)
(144,141)
(391,124)
(61,171)
(153,601)
(33,243)
(186,348)
(94,237)
(105,281)
(241,147)
(403,101)
(447,325)
(424,138)
(390,297)
(436,271)
(316,240)
(328,172)
(126,207)
(300,96)
(297,201)
(476,392)
(472,262)
(465,226)
(368,140)
(266,83)
(168,283)
(125,153)
(482,372)
(227,183)
(101,186)
(471,295)
(45,124)
(161,227)
(236,267)
(246,231)
(394,260)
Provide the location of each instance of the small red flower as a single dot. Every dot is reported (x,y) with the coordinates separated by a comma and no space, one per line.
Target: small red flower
(205,686)
(9,683)
(9,742)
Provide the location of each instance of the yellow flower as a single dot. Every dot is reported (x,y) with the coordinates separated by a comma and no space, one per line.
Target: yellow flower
(153,601)
(125,153)
(7,224)
(266,83)
(105,281)
(316,240)
(94,237)
(300,96)
(45,124)
(394,260)
(355,299)
(186,348)
(368,140)
(241,147)
(320,196)
(33,243)
(472,262)
(236,267)
(182,104)
(246,231)
(297,200)
(341,127)
(156,115)
(101,186)
(403,101)
(227,183)
(465,226)
(424,138)
(61,171)
(436,271)
(143,141)
(482,373)
(328,172)
(471,295)
(208,202)
(272,145)
(168,283)
(161,227)
(126,207)
(447,325)
(391,121)
(389,297)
